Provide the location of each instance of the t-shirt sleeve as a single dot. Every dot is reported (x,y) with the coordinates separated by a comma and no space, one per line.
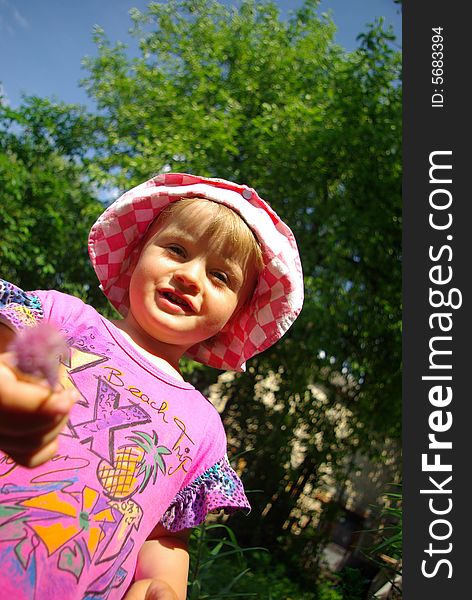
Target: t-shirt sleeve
(19,309)
(218,488)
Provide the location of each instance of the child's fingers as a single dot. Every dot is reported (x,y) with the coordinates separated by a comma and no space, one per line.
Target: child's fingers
(26,443)
(15,427)
(60,402)
(23,396)
(16,393)
(8,364)
(20,418)
(34,459)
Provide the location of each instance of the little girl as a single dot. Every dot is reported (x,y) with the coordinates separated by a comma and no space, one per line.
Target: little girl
(106,473)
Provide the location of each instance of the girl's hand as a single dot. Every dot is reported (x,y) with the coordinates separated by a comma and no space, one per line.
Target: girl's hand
(162,566)
(32,414)
(151,589)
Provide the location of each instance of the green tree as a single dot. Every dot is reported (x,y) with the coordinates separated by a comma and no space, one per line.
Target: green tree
(46,202)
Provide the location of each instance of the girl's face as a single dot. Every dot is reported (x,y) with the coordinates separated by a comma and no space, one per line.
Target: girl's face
(184,289)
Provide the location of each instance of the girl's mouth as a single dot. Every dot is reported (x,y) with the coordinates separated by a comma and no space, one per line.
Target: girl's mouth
(177,300)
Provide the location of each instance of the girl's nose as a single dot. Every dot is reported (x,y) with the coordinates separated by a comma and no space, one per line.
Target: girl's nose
(189,275)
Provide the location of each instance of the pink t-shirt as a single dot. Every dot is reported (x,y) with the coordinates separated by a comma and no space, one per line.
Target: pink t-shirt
(140,448)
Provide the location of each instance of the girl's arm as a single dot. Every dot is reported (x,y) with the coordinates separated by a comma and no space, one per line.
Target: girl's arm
(162,567)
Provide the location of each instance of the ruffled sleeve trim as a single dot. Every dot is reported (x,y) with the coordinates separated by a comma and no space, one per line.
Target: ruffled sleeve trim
(19,309)
(218,488)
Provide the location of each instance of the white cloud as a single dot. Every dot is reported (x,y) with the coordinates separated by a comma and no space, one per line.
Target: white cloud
(11,19)
(20,19)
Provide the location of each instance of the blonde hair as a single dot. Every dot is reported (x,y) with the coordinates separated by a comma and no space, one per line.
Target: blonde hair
(229,232)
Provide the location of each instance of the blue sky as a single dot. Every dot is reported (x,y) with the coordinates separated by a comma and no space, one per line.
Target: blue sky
(42,42)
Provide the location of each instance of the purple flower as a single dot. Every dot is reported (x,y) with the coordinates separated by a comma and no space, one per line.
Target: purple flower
(37,350)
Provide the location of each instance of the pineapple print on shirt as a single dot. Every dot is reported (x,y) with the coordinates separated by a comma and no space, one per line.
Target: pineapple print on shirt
(133,467)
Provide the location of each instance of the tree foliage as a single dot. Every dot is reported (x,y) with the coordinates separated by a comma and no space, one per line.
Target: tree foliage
(46,202)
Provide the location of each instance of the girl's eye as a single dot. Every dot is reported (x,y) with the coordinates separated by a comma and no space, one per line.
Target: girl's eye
(221,276)
(174,249)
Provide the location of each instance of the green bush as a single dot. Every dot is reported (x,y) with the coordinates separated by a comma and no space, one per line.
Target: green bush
(221,569)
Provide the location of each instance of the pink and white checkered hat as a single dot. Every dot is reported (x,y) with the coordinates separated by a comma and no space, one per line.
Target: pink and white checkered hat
(277,300)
